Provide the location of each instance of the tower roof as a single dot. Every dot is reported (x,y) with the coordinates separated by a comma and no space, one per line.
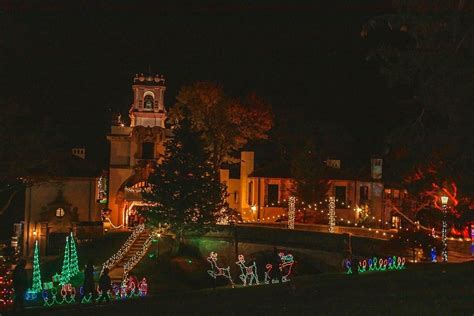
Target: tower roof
(149,80)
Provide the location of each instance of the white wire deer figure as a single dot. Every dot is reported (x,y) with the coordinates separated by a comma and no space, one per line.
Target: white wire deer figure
(248,272)
(218,271)
(285,267)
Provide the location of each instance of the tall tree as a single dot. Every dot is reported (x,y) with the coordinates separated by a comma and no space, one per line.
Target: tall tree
(185,188)
(308,170)
(430,57)
(225,123)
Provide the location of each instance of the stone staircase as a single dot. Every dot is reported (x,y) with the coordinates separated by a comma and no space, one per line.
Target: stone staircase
(116,273)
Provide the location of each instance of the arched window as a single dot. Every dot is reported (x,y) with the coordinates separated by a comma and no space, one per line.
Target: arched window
(59,212)
(148,102)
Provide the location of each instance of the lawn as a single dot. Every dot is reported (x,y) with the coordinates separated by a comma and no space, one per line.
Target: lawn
(422,289)
(187,270)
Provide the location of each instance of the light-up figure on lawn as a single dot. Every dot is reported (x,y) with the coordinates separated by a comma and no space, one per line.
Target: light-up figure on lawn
(287,262)
(248,272)
(68,292)
(285,266)
(434,255)
(217,271)
(132,286)
(143,287)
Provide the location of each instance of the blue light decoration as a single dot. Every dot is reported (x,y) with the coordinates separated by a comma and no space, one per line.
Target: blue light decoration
(434,255)
(31,295)
(247,272)
(217,271)
(285,266)
(376,264)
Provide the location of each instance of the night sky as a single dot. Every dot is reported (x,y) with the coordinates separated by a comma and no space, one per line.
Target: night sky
(76,64)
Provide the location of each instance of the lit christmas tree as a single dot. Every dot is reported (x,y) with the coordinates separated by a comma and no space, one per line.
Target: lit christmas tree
(6,286)
(37,288)
(65,271)
(73,263)
(186,185)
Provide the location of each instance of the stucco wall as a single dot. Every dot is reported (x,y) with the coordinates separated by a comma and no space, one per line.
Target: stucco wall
(80,204)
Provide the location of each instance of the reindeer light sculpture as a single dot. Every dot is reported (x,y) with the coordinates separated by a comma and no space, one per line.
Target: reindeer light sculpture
(248,272)
(217,271)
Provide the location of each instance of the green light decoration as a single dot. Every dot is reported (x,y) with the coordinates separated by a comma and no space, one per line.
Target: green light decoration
(36,288)
(376,264)
(74,262)
(65,271)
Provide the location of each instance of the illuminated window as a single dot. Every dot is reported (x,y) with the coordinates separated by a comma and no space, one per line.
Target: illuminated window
(396,222)
(59,212)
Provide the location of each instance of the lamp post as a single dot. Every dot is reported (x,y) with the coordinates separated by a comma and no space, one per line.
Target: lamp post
(444,229)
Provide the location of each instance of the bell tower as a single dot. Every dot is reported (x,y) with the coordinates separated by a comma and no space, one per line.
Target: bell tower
(148,108)
(136,149)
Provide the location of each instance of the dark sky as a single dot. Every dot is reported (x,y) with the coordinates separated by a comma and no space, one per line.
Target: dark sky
(76,62)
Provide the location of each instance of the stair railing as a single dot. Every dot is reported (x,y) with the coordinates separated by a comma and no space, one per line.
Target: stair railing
(135,259)
(115,258)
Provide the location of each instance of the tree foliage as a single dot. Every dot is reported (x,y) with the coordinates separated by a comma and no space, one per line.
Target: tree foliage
(185,188)
(308,170)
(429,55)
(226,123)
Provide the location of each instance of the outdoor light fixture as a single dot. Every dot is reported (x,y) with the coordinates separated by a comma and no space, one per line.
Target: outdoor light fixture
(444,200)
(254,208)
(35,234)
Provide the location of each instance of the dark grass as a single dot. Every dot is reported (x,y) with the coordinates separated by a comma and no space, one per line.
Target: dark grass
(423,289)
(186,269)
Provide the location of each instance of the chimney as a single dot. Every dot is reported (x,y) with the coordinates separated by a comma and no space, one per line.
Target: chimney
(376,168)
(246,168)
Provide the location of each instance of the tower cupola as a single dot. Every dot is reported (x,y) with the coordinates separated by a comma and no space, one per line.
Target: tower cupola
(148,107)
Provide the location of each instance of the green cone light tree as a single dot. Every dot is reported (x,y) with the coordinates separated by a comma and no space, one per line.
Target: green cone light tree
(65,271)
(74,262)
(36,287)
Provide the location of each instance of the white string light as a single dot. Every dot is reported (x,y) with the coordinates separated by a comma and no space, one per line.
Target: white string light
(291,212)
(113,226)
(115,258)
(135,259)
(332,213)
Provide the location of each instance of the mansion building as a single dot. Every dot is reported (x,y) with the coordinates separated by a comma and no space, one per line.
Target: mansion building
(89,201)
